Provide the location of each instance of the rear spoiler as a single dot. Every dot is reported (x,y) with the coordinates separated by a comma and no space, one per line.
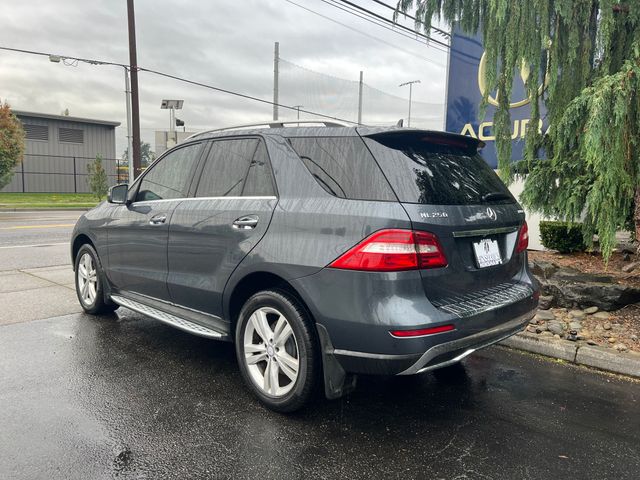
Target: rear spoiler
(470,144)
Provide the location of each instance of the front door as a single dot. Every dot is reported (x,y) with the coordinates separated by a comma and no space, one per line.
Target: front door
(138,232)
(210,234)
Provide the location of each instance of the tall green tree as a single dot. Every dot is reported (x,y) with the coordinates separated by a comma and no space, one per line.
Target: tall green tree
(589,51)
(147,156)
(98,182)
(11,143)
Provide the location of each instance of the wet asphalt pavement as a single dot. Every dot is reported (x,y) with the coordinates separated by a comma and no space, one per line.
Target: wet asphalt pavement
(127,397)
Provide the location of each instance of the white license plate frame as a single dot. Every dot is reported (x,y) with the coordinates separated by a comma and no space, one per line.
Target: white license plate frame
(487,253)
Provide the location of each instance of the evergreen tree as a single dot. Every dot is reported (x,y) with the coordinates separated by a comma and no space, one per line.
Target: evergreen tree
(589,51)
(98,183)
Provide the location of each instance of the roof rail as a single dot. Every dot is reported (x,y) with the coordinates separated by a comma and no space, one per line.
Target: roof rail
(277,124)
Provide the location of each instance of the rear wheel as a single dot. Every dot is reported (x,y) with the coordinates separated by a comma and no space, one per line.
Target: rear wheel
(90,282)
(276,350)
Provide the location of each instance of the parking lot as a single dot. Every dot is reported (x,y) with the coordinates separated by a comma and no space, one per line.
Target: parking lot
(125,396)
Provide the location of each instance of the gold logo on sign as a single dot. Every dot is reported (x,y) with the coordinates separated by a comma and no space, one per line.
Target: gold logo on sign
(525,71)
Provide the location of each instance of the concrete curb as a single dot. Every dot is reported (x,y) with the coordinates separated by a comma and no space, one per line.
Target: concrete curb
(627,363)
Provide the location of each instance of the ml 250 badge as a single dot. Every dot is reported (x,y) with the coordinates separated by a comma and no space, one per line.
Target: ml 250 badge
(433,215)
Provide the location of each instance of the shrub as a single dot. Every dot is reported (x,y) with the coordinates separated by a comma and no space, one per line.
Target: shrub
(564,237)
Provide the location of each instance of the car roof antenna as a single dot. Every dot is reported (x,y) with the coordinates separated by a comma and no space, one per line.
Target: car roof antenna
(400,123)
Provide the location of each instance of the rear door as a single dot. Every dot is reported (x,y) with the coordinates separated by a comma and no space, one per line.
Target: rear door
(138,232)
(447,189)
(212,232)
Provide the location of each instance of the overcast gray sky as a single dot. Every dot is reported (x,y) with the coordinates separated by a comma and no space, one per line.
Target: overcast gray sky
(224,43)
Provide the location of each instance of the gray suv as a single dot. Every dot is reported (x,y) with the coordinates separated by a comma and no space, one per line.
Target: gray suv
(322,252)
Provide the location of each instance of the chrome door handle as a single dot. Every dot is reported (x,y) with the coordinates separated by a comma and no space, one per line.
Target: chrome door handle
(244,223)
(158,219)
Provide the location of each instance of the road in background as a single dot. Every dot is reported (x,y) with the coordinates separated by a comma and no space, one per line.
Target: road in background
(35,238)
(125,396)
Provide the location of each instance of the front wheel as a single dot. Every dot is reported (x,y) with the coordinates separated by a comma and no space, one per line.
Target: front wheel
(90,282)
(277,350)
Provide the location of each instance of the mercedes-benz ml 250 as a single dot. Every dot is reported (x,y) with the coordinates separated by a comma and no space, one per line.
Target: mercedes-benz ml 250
(322,252)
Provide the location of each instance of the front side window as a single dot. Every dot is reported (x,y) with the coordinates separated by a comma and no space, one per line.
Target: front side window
(170,176)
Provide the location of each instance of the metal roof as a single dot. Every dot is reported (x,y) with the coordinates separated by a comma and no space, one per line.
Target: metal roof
(64,118)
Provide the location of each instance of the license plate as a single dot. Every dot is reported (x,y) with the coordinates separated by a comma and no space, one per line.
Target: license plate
(487,252)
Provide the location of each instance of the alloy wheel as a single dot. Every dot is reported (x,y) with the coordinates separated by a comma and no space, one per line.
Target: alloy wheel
(87,279)
(271,352)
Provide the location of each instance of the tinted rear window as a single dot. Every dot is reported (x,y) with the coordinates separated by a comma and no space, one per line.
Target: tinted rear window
(344,167)
(421,171)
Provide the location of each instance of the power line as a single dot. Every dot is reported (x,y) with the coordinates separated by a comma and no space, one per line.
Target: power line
(391,7)
(384,24)
(242,95)
(181,79)
(366,34)
(391,22)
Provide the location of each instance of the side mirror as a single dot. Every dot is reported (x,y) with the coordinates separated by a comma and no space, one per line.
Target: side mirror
(118,193)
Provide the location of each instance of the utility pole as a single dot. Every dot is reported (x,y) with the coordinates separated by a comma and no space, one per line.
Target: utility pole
(276,59)
(135,104)
(360,100)
(410,91)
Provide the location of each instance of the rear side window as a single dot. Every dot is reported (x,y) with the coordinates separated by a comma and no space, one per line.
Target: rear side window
(344,167)
(259,181)
(422,170)
(226,168)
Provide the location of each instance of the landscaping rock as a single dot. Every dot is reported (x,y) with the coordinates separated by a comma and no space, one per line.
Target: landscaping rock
(573,289)
(630,267)
(545,302)
(541,328)
(606,325)
(621,347)
(575,326)
(602,316)
(543,269)
(590,310)
(544,315)
(556,328)
(578,314)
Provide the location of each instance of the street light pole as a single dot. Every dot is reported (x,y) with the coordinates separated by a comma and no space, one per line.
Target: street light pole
(410,92)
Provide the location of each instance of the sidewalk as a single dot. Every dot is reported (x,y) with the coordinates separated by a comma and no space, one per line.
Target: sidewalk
(36,293)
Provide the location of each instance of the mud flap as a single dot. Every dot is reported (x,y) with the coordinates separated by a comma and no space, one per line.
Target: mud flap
(337,382)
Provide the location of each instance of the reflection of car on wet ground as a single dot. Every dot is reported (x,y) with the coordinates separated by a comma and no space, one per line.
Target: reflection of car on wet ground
(322,252)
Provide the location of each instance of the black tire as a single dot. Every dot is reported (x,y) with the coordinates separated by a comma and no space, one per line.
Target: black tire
(308,351)
(98,305)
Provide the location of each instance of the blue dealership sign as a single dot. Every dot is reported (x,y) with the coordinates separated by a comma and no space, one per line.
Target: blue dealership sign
(464,94)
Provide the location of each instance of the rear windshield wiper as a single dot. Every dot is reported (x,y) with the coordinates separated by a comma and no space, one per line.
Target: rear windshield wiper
(493,196)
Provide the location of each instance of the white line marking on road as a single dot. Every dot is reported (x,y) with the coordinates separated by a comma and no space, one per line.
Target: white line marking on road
(39,245)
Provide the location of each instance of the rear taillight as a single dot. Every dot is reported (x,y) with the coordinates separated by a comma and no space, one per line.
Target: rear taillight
(394,250)
(422,331)
(523,238)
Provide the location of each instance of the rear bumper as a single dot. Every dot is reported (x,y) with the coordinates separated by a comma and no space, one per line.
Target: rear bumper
(437,356)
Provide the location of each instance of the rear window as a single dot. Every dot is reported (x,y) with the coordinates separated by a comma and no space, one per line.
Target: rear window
(344,167)
(422,170)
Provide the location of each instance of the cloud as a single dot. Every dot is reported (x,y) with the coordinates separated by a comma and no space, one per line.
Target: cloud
(227,44)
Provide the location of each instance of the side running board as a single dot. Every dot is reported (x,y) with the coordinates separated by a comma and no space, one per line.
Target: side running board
(167,318)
